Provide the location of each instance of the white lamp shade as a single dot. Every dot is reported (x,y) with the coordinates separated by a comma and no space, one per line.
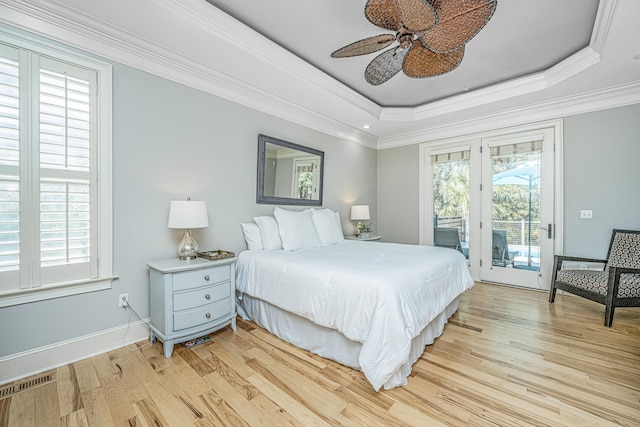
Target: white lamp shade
(360,213)
(188,214)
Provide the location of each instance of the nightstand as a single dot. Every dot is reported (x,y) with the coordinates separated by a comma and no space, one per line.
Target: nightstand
(366,239)
(189,299)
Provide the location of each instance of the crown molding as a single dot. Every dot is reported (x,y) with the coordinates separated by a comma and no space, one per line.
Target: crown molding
(227,28)
(565,69)
(617,96)
(66,25)
(59,21)
(604,18)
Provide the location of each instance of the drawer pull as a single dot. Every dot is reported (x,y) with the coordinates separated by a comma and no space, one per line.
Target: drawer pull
(206,278)
(207,296)
(208,315)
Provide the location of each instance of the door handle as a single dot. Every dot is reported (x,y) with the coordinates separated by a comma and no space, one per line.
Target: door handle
(549,229)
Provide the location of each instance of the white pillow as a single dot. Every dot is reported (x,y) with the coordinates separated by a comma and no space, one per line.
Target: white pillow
(328,227)
(269,232)
(296,229)
(252,235)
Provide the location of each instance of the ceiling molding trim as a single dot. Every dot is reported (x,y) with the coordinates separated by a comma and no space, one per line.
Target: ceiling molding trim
(574,64)
(565,69)
(604,19)
(70,27)
(498,92)
(232,31)
(571,66)
(617,96)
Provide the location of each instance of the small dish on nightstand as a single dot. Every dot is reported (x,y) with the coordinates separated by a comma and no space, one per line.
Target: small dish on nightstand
(364,239)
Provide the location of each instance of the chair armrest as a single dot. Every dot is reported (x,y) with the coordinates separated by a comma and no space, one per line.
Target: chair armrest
(623,270)
(558,259)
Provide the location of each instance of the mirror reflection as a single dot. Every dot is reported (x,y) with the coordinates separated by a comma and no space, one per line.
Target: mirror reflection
(288,173)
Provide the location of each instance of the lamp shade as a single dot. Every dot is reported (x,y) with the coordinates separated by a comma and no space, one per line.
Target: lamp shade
(360,213)
(188,214)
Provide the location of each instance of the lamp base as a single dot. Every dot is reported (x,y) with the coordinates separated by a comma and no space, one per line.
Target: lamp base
(356,232)
(188,247)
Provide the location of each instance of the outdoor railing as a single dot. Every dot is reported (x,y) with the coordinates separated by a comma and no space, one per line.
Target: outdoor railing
(518,231)
(458,222)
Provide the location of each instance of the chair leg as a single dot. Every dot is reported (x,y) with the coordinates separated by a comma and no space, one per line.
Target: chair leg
(608,315)
(552,293)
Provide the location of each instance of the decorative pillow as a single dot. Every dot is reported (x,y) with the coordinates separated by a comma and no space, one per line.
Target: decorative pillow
(328,227)
(252,235)
(269,232)
(296,229)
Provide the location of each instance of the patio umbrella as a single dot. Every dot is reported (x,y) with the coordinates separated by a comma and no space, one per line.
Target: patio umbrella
(525,175)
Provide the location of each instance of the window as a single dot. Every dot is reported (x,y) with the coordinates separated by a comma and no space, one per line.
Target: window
(305,178)
(55,214)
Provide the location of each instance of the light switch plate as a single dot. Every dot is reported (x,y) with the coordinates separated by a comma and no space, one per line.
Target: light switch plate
(586,214)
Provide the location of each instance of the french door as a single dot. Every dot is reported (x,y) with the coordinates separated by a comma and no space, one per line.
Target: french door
(499,190)
(518,208)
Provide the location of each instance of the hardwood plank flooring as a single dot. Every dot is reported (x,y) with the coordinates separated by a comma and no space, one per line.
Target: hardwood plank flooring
(506,358)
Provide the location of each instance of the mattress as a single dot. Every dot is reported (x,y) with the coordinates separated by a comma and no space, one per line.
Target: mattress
(378,295)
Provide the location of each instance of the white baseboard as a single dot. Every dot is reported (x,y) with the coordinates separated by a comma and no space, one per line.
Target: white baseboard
(41,359)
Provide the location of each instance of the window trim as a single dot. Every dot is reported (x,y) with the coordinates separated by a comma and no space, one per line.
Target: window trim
(104,165)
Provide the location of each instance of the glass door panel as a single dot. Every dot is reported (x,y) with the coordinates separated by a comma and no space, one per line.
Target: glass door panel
(518,174)
(451,199)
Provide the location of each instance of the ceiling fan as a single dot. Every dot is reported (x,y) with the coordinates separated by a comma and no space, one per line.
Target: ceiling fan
(431,36)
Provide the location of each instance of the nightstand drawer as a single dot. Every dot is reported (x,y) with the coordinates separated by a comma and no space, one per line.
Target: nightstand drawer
(206,314)
(208,295)
(202,277)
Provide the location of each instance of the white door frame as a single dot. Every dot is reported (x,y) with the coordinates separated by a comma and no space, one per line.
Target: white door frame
(425,226)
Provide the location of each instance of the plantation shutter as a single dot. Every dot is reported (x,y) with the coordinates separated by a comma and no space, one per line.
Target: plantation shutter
(48,171)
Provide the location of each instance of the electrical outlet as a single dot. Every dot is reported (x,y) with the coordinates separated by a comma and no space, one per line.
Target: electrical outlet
(123,300)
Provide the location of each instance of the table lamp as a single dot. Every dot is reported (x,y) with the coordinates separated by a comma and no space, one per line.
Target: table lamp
(187,215)
(359,213)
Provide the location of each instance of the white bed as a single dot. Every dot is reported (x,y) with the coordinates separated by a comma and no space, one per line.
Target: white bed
(369,305)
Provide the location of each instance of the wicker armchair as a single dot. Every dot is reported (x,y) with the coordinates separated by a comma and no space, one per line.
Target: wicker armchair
(617,286)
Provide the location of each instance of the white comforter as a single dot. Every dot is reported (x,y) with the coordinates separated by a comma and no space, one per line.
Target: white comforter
(379,294)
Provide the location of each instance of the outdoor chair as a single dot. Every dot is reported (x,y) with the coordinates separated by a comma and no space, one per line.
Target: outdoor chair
(501,255)
(447,237)
(617,286)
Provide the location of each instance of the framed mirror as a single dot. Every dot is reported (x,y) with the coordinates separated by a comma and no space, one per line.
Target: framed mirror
(288,173)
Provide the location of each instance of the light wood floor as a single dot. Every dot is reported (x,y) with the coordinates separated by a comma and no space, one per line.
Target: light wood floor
(508,357)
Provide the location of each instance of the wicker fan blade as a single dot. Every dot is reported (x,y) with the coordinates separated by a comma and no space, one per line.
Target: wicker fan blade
(422,62)
(364,46)
(416,15)
(382,13)
(458,22)
(385,66)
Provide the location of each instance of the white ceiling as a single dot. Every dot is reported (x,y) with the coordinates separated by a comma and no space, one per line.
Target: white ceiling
(523,37)
(535,60)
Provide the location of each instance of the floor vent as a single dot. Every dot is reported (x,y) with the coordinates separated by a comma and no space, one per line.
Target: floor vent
(12,389)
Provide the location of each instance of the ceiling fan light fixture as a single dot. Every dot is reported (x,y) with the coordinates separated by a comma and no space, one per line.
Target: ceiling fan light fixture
(431,36)
(422,62)
(405,41)
(459,22)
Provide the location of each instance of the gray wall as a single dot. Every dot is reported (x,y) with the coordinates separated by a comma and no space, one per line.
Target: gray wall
(398,183)
(284,172)
(601,173)
(170,142)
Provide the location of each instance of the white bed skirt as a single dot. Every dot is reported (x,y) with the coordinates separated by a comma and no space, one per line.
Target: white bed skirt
(329,343)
